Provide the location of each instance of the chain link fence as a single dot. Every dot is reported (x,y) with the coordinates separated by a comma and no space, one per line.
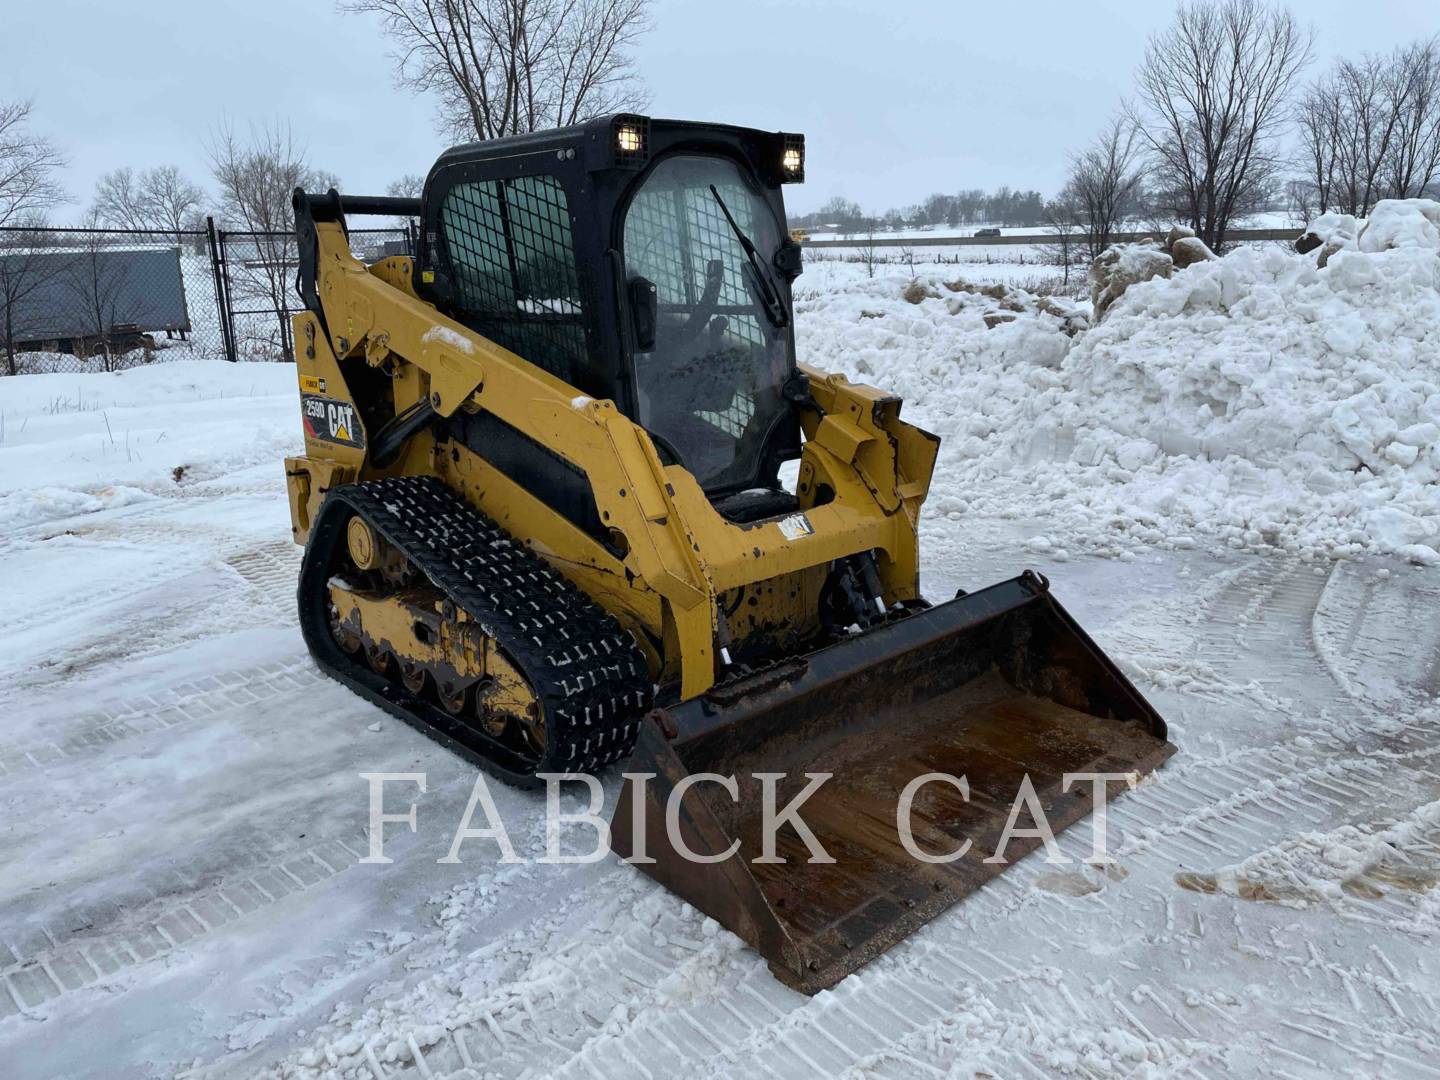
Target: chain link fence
(75,300)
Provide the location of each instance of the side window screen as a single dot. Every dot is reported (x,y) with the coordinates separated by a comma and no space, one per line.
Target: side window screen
(513,257)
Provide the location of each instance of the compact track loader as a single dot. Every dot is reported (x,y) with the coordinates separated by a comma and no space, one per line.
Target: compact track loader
(545,523)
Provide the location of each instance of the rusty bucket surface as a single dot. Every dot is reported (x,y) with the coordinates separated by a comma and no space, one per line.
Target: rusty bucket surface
(992,686)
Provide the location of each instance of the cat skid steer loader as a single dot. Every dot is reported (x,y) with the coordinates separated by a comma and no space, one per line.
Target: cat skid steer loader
(545,523)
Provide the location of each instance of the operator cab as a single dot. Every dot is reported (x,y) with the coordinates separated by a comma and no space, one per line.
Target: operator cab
(645,261)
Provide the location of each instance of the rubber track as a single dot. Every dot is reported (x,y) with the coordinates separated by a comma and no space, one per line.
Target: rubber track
(586,669)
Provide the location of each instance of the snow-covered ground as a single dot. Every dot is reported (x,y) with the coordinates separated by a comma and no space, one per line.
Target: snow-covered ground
(183,811)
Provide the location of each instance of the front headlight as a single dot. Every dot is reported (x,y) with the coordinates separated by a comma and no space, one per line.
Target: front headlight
(792,160)
(630,141)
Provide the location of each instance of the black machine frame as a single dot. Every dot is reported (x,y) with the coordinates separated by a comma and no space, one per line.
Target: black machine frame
(599,172)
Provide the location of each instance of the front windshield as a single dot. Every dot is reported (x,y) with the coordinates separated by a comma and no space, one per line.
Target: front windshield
(710,388)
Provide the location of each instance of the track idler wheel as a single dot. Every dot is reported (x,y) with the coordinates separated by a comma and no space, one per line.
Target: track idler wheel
(343,636)
(508,709)
(455,700)
(414,676)
(381,661)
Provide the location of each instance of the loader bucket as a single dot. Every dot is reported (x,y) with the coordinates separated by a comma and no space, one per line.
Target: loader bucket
(990,686)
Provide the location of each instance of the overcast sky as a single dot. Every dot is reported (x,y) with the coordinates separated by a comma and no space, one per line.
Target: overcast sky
(896,100)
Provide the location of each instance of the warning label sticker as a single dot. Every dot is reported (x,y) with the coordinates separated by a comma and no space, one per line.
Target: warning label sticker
(795,526)
(312,384)
(331,420)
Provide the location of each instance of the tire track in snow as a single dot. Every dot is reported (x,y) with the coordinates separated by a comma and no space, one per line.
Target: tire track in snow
(1375,631)
(49,961)
(1264,792)
(187,702)
(564,1003)
(891,1019)
(261,593)
(272,570)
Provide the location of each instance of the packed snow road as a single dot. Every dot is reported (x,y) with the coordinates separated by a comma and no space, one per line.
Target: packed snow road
(184,817)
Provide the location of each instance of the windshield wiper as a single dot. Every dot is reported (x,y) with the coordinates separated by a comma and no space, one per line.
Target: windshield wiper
(762,285)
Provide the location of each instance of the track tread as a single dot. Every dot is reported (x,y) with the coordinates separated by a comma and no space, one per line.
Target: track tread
(589,673)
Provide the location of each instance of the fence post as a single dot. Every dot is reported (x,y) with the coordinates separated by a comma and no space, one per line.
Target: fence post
(287,338)
(222,298)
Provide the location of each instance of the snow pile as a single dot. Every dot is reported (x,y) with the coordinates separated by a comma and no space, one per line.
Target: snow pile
(998,303)
(1257,398)
(1394,223)
(932,340)
(1270,401)
(1330,232)
(1402,223)
(75,444)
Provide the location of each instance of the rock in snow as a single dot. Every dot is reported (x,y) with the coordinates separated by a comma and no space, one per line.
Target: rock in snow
(1121,266)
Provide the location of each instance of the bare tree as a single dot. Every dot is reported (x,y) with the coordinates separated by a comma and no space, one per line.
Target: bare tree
(1062,224)
(845,215)
(504,67)
(1372,99)
(869,250)
(1101,190)
(118,201)
(907,256)
(173,200)
(409,186)
(1349,120)
(1214,94)
(160,198)
(97,279)
(1414,160)
(1302,198)
(256,178)
(322,180)
(25,266)
(1103,183)
(28,165)
(1320,123)
(1370,129)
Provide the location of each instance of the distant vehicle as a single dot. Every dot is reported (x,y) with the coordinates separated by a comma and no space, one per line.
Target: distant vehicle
(987,232)
(95,303)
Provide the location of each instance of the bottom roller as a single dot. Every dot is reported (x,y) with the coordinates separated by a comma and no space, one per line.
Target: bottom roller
(991,686)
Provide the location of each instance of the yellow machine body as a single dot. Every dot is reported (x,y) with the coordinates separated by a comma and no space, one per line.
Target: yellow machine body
(681,557)
(453,581)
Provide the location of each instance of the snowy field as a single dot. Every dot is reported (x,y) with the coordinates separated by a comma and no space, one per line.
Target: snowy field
(829,269)
(1231,481)
(1032,267)
(1269,219)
